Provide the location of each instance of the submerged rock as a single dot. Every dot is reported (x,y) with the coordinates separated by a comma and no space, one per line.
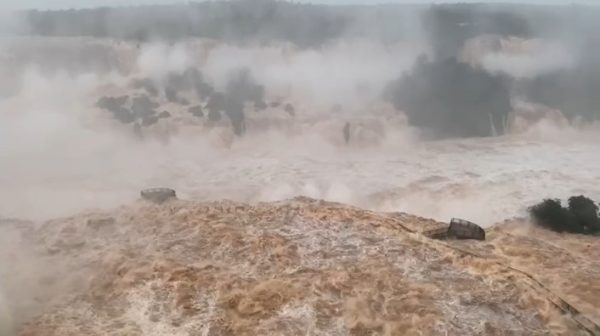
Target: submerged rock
(196,111)
(234,109)
(462,229)
(183,101)
(164,114)
(216,104)
(99,223)
(289,109)
(149,120)
(111,103)
(143,106)
(260,105)
(346,132)
(115,106)
(171,95)
(146,84)
(123,115)
(214,115)
(158,195)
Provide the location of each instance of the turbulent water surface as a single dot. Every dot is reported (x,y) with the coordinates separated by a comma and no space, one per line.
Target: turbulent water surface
(485,180)
(198,266)
(60,153)
(288,268)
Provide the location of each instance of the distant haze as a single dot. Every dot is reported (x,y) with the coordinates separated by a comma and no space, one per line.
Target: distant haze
(65,4)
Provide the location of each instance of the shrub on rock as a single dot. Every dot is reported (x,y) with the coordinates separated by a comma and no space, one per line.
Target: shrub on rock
(581,216)
(585,212)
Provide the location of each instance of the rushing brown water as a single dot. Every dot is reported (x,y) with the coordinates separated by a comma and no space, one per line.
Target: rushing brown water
(288,268)
(242,267)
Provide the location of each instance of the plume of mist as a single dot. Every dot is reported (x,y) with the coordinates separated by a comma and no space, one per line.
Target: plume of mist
(339,79)
(516,57)
(529,65)
(451,99)
(347,71)
(52,133)
(6,327)
(302,110)
(484,58)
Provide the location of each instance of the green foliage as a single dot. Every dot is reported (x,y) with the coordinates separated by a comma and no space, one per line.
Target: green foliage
(452,99)
(581,216)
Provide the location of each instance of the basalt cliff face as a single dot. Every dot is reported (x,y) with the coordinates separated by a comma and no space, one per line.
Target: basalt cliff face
(297,267)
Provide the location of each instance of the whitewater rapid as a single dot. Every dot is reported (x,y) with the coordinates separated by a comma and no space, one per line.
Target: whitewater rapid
(484,180)
(62,158)
(60,155)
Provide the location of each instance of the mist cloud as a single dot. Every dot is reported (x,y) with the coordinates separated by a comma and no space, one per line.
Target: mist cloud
(335,70)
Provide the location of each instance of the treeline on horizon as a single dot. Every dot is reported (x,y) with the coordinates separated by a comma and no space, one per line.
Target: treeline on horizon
(439,94)
(309,25)
(447,98)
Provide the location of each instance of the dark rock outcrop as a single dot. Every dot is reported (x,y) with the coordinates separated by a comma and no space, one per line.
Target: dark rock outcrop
(196,111)
(158,195)
(149,120)
(346,132)
(183,101)
(115,106)
(289,109)
(216,104)
(171,95)
(100,223)
(142,106)
(260,105)
(462,229)
(147,84)
(234,109)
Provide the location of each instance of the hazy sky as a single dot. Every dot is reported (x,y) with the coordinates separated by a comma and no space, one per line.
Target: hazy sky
(56,4)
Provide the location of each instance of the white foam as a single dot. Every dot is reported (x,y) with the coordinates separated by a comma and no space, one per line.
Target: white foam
(59,154)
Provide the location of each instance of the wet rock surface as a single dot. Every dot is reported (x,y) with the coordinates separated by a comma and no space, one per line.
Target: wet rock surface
(142,106)
(216,104)
(115,105)
(260,105)
(462,229)
(182,89)
(196,111)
